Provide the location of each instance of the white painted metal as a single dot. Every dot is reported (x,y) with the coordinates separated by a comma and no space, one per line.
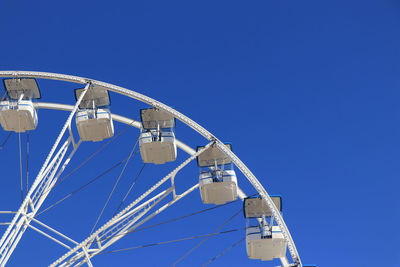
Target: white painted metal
(136,124)
(94,124)
(118,118)
(26,87)
(263,193)
(285,262)
(93,118)
(122,223)
(51,229)
(18,116)
(158,211)
(39,190)
(157,146)
(217,180)
(128,121)
(49,236)
(256,207)
(220,192)
(265,249)
(242,167)
(95,97)
(157,138)
(214,156)
(154,119)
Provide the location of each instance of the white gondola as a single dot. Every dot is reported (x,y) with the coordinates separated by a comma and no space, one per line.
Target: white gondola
(157,137)
(264,241)
(265,248)
(17,112)
(93,119)
(217,180)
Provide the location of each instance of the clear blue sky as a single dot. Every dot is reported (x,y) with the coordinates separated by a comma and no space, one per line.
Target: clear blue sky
(306,91)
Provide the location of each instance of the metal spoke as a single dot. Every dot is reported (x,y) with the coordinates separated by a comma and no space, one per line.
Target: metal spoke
(27,161)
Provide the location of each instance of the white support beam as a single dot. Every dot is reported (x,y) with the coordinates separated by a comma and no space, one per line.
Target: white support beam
(123,222)
(39,190)
(87,257)
(116,230)
(139,223)
(102,233)
(52,230)
(285,262)
(49,236)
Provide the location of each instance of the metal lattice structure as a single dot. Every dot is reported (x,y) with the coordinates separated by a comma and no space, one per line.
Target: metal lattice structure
(137,212)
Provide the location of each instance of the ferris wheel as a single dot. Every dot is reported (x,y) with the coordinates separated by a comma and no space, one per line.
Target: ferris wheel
(91,119)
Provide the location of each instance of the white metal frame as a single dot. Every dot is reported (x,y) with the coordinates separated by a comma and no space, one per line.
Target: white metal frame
(19,223)
(127,220)
(40,188)
(48,235)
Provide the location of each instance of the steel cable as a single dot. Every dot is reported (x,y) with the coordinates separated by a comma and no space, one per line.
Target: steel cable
(89,158)
(223,252)
(20,166)
(5,141)
(82,187)
(170,220)
(205,239)
(173,241)
(181,217)
(164,222)
(115,185)
(84,162)
(129,190)
(94,154)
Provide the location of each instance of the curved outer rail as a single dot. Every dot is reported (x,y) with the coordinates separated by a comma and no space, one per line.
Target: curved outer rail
(195,126)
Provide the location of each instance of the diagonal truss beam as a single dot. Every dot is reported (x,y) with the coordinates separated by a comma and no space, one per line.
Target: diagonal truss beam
(94,252)
(125,221)
(51,170)
(48,235)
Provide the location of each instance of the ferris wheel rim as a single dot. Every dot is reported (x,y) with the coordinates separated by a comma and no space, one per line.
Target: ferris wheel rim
(186,120)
